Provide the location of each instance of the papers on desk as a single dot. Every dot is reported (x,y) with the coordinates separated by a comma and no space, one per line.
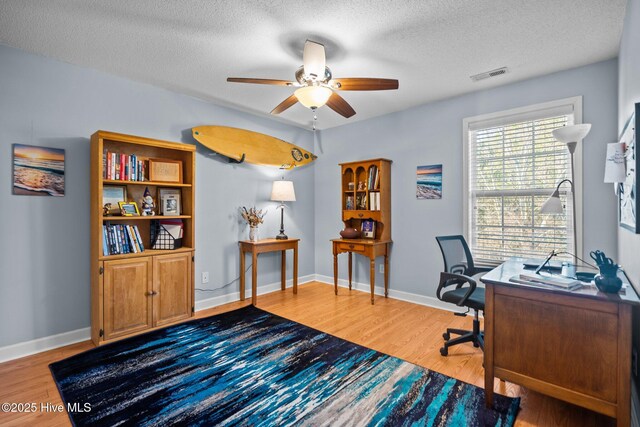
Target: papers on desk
(549,280)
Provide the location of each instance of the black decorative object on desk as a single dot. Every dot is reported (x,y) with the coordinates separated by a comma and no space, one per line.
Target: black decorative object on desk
(608,280)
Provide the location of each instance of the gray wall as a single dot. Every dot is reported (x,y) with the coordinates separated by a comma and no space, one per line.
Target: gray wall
(431,134)
(44,256)
(628,95)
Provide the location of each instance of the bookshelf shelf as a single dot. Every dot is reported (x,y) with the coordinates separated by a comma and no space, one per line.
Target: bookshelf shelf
(148,252)
(143,218)
(145,288)
(145,183)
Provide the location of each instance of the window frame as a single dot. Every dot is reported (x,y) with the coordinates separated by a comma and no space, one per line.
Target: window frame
(516,115)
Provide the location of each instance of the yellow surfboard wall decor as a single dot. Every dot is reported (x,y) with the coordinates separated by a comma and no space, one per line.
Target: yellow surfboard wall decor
(252,147)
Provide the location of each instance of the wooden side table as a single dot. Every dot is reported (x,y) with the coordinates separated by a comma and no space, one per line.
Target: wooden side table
(369,248)
(262,246)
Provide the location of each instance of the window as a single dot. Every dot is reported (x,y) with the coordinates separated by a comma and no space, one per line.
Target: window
(512,165)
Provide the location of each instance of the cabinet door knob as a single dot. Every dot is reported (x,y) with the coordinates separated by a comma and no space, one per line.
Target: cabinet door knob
(150,294)
(360,215)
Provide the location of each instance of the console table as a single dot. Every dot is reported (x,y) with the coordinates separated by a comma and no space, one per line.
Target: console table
(571,345)
(369,248)
(262,246)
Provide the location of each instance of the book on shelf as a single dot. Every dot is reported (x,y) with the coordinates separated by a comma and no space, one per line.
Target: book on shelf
(122,167)
(374,201)
(120,239)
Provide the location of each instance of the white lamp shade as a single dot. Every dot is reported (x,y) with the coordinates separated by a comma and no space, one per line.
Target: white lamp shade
(573,133)
(313,96)
(614,168)
(553,205)
(282,191)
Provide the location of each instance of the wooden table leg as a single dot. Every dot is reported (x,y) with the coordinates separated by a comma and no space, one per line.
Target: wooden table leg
(242,279)
(254,278)
(350,268)
(283,271)
(372,278)
(386,275)
(335,273)
(488,346)
(295,269)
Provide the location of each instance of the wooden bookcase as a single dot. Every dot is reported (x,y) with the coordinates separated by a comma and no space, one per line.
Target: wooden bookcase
(135,292)
(366,195)
(355,173)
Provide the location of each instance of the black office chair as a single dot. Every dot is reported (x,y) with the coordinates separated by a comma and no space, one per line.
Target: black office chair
(458,271)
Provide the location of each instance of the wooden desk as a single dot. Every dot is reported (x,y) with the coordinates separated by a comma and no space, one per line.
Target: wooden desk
(369,248)
(262,246)
(571,345)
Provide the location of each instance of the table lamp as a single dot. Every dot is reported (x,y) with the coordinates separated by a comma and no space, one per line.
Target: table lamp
(282,191)
(569,135)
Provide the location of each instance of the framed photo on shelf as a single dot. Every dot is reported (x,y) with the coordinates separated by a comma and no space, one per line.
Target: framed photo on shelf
(129,208)
(627,197)
(165,170)
(170,201)
(114,194)
(368,229)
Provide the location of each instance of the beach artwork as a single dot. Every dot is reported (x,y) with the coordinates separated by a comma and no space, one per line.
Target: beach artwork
(38,171)
(429,182)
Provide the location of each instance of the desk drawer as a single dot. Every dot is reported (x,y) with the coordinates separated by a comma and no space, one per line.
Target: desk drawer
(350,247)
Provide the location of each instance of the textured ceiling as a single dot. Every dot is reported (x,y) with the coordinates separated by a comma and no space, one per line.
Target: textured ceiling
(430,46)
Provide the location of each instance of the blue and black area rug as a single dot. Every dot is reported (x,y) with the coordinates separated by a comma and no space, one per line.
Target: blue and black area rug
(250,367)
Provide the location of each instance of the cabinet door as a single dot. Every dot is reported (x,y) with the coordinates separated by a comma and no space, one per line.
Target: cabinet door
(172,284)
(127,297)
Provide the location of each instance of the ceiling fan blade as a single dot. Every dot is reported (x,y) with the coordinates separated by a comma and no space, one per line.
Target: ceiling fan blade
(313,59)
(285,104)
(340,106)
(364,83)
(260,81)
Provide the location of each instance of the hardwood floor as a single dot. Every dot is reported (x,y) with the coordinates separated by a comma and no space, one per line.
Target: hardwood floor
(408,331)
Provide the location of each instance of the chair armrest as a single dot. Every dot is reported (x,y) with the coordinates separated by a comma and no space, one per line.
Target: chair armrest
(449,279)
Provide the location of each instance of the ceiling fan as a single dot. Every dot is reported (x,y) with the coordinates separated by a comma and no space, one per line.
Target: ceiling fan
(316,85)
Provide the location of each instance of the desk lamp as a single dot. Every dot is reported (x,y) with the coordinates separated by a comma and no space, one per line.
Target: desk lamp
(569,135)
(282,191)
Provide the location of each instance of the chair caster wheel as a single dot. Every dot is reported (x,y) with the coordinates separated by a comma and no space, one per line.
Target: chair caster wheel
(444,351)
(475,344)
(446,336)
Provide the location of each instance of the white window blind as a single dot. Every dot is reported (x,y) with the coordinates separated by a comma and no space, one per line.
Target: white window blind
(514,164)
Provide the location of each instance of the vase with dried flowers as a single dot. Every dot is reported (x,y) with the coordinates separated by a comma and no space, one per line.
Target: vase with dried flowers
(253,217)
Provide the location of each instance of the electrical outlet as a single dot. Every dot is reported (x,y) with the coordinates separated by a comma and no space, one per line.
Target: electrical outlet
(381,268)
(205,277)
(634,362)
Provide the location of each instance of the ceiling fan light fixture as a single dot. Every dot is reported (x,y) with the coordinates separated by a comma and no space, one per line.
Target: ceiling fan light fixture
(313,96)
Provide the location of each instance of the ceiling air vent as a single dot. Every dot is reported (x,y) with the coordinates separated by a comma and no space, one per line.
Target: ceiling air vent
(489,74)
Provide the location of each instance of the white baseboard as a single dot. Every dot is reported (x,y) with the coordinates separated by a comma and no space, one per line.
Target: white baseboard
(235,296)
(28,348)
(400,295)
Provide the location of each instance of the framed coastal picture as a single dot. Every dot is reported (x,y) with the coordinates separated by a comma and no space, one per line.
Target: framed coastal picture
(38,171)
(627,197)
(429,182)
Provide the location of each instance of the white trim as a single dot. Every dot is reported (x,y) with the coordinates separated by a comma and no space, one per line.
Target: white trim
(235,296)
(27,348)
(399,295)
(467,124)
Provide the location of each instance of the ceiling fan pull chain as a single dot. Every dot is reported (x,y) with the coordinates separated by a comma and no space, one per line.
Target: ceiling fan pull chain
(315,119)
